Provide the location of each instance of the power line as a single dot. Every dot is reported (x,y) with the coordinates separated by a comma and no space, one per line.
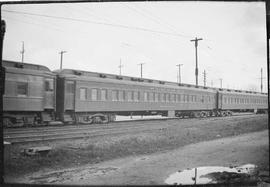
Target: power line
(95,22)
(164,22)
(36,24)
(156,20)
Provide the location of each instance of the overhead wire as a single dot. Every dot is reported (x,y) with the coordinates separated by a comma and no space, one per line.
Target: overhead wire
(95,22)
(150,17)
(158,19)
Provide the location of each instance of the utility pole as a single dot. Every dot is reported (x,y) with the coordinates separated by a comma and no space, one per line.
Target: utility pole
(179,68)
(61,58)
(196,69)
(141,64)
(22,51)
(220,83)
(204,78)
(120,67)
(211,83)
(261,80)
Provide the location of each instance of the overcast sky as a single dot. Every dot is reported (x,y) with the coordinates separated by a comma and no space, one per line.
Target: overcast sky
(97,35)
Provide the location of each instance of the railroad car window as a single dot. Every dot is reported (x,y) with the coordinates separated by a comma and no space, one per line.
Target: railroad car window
(70,88)
(129,96)
(121,95)
(162,97)
(173,97)
(190,98)
(114,95)
(136,96)
(103,95)
(83,93)
(202,99)
(151,96)
(179,97)
(145,96)
(94,94)
(49,85)
(167,97)
(225,100)
(156,97)
(22,88)
(209,99)
(187,98)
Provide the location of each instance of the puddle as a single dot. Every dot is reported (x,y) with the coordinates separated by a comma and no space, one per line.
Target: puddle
(213,174)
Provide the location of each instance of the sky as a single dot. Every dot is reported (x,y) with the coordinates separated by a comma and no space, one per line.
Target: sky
(97,36)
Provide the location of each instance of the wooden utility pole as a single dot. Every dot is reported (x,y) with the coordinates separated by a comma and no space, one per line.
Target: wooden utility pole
(204,78)
(22,51)
(196,56)
(179,69)
(141,64)
(261,80)
(220,83)
(61,58)
(120,67)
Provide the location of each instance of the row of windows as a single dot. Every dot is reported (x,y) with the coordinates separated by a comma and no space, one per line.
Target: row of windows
(233,100)
(22,87)
(121,95)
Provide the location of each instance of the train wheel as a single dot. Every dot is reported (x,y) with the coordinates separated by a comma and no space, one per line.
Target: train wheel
(105,119)
(202,114)
(97,119)
(230,113)
(196,114)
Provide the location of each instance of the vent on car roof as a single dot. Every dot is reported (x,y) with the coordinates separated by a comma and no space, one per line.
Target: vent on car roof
(17,65)
(119,77)
(161,82)
(77,72)
(102,76)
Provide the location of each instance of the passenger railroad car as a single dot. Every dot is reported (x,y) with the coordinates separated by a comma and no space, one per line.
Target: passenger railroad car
(29,96)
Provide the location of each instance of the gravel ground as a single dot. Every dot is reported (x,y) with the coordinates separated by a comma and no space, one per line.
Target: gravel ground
(173,135)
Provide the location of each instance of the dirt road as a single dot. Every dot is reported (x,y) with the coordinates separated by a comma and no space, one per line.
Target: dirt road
(155,168)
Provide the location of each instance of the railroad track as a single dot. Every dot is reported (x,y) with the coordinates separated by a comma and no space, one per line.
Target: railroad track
(50,133)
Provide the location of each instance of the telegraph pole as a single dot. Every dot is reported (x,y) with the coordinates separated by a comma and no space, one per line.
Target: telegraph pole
(211,83)
(261,80)
(196,69)
(61,58)
(120,66)
(141,64)
(22,51)
(179,68)
(204,78)
(220,83)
